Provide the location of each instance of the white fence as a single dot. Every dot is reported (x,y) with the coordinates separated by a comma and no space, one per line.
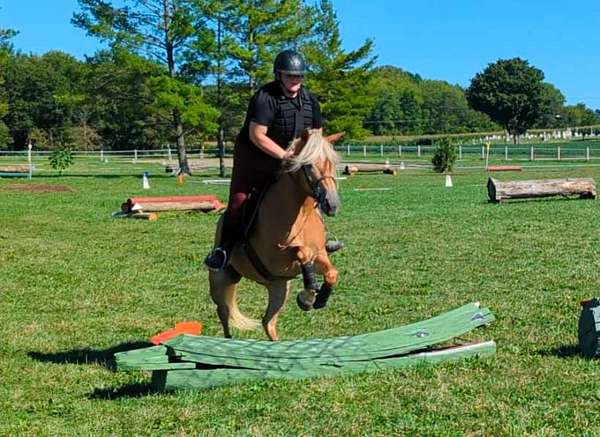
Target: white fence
(496,152)
(137,159)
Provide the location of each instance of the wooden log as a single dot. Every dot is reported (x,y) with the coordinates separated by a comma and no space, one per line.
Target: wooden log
(499,190)
(176,206)
(193,198)
(504,168)
(369,168)
(168,203)
(14,169)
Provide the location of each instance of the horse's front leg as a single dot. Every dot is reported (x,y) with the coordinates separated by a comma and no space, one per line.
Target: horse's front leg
(330,278)
(278,294)
(306,298)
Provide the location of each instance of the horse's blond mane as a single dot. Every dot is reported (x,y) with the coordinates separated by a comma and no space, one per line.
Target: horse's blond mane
(317,148)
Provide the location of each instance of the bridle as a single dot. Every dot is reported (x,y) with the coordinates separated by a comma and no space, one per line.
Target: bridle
(318,191)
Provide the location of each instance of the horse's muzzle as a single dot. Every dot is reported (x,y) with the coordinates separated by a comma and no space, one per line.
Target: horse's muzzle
(329,211)
(329,206)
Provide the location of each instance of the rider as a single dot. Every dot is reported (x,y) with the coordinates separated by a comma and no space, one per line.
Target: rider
(277,113)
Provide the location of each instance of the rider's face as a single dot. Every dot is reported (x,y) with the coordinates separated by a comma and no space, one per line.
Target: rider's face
(292,83)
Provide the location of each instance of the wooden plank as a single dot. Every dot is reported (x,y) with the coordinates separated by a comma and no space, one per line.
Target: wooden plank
(338,351)
(504,168)
(501,190)
(367,346)
(300,358)
(133,359)
(203,379)
(14,169)
(186,365)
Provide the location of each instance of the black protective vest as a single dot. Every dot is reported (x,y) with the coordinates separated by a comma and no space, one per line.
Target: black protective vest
(291,118)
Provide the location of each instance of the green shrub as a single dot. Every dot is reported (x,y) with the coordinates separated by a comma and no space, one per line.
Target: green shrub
(60,159)
(444,156)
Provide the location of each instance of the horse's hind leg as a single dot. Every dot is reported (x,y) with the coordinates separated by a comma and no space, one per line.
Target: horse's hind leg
(278,294)
(330,277)
(223,289)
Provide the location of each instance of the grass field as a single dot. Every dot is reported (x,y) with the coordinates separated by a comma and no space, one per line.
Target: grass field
(77,285)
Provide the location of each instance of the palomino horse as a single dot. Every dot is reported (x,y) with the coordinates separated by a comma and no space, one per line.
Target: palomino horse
(288,238)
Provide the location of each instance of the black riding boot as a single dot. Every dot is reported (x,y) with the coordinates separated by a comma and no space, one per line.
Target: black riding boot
(218,258)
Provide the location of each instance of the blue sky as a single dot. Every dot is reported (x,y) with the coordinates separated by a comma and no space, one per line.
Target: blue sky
(442,40)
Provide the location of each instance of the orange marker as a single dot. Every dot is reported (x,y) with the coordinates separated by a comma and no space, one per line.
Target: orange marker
(192,328)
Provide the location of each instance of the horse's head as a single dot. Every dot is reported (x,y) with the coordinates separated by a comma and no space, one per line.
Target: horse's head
(314,161)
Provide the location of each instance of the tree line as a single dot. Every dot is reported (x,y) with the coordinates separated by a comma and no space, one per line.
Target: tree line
(182,71)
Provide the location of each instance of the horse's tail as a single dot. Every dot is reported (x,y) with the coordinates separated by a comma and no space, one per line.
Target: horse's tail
(237,319)
(223,290)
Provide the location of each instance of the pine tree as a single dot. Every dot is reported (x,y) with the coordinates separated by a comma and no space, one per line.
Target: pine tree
(238,47)
(340,79)
(261,28)
(5,49)
(161,30)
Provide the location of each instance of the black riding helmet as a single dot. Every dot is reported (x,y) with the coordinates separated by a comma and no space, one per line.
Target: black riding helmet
(289,62)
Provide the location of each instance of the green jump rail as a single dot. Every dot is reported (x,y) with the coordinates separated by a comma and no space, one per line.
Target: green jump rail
(200,362)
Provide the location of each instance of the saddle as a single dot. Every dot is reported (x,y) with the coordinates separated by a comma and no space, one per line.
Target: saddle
(250,211)
(249,219)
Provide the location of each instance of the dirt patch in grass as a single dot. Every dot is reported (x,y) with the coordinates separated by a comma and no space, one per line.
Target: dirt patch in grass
(38,188)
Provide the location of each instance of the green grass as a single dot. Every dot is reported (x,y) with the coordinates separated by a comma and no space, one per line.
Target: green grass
(77,285)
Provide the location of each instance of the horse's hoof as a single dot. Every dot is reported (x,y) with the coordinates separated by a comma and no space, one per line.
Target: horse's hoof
(322,297)
(303,305)
(319,304)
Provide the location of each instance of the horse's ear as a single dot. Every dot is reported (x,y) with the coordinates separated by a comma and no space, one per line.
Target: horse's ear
(301,141)
(334,137)
(305,135)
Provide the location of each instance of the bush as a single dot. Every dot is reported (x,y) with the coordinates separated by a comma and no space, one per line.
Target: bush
(444,156)
(61,159)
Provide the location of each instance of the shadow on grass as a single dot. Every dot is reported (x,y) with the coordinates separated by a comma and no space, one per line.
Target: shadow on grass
(534,200)
(136,390)
(104,357)
(564,351)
